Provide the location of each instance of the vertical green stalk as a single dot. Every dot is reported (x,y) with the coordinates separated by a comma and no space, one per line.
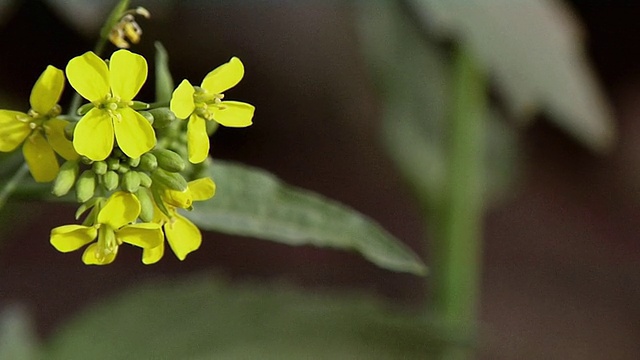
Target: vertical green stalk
(457,246)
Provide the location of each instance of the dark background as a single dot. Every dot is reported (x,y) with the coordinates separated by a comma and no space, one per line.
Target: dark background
(562,254)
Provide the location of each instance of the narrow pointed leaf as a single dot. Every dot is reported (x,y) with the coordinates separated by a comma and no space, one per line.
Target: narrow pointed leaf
(252,202)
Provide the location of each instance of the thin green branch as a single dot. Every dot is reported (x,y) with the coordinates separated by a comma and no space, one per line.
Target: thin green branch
(12,184)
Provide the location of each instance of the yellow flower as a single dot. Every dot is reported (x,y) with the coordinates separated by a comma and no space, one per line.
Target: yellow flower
(111,88)
(205,103)
(113,227)
(182,235)
(43,132)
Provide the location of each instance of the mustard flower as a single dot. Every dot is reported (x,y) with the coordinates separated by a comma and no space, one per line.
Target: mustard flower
(40,130)
(114,226)
(111,88)
(205,103)
(182,235)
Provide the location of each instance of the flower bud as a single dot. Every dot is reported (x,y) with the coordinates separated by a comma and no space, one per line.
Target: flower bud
(148,162)
(146,205)
(66,178)
(110,180)
(145,180)
(84,109)
(123,168)
(169,160)
(162,117)
(133,162)
(99,167)
(147,115)
(113,163)
(69,129)
(130,182)
(86,186)
(171,180)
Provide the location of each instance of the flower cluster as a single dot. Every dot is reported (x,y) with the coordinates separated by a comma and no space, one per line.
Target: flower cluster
(129,162)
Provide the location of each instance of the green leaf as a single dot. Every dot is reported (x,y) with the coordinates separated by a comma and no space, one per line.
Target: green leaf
(200,318)
(17,336)
(252,202)
(534,50)
(164,81)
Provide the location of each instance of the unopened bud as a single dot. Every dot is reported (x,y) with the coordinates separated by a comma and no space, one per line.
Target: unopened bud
(147,115)
(145,180)
(110,180)
(123,168)
(133,162)
(130,182)
(146,205)
(66,178)
(148,162)
(99,167)
(69,129)
(113,163)
(171,180)
(86,186)
(84,109)
(169,160)
(162,117)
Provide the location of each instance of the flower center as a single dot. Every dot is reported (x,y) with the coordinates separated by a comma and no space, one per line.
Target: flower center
(205,101)
(112,105)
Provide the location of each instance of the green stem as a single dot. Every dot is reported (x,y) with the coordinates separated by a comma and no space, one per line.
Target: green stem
(457,249)
(12,184)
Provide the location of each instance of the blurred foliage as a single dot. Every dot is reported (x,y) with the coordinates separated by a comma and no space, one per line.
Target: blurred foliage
(534,51)
(204,318)
(17,336)
(414,76)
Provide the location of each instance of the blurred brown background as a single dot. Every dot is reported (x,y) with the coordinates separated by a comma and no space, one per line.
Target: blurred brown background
(562,253)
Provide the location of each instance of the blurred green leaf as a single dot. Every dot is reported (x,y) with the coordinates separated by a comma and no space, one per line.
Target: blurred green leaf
(414,76)
(17,337)
(200,318)
(252,202)
(164,81)
(534,50)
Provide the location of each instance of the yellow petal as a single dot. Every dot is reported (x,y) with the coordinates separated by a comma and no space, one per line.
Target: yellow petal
(122,208)
(181,199)
(47,90)
(202,189)
(182,100)
(224,77)
(72,237)
(144,235)
(233,114)
(40,157)
(183,236)
(197,139)
(134,134)
(128,73)
(89,75)
(12,130)
(153,255)
(54,129)
(90,255)
(93,136)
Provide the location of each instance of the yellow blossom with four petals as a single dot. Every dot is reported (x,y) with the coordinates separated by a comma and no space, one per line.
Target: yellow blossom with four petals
(182,235)
(40,130)
(111,88)
(205,103)
(114,226)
